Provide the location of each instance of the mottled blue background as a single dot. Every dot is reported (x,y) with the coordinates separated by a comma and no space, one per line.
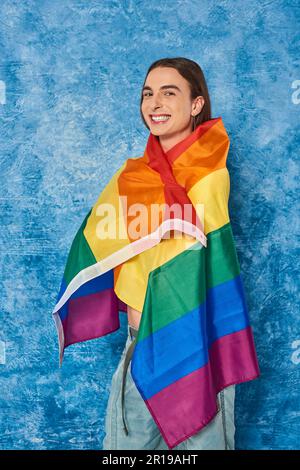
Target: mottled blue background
(71,74)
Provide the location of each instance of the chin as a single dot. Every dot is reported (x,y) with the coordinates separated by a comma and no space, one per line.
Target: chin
(159,130)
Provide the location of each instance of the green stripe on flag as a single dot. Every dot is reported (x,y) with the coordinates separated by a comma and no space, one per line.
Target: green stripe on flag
(80,254)
(179,285)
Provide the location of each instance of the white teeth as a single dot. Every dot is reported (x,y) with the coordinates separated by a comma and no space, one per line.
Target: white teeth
(160,118)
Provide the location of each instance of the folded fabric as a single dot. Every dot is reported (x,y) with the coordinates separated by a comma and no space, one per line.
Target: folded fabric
(178,265)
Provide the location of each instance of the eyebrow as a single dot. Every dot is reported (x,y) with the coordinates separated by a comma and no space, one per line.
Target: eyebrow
(162,87)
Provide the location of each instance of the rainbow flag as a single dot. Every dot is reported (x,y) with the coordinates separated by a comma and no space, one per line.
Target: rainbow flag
(195,336)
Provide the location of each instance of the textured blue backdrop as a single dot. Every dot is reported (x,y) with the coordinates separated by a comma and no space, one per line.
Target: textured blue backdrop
(70,79)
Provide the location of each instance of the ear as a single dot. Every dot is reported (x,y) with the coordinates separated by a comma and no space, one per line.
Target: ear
(198,104)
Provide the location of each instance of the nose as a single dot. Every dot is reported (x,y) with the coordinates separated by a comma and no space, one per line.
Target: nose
(156,101)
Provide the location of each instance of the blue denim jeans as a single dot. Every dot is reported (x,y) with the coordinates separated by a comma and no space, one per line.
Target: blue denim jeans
(143,432)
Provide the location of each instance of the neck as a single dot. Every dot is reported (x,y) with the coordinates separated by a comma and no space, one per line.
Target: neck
(170,140)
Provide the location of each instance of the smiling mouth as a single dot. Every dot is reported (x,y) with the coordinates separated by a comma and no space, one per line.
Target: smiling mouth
(159,118)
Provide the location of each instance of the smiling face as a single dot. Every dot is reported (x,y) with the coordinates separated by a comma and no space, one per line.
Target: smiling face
(167,107)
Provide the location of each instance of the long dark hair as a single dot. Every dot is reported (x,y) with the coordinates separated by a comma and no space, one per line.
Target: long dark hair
(192,72)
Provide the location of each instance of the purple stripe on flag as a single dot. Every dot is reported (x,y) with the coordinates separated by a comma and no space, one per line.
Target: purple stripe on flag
(91,316)
(183,408)
(122,306)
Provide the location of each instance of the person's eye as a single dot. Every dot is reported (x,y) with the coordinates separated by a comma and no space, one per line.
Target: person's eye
(167,92)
